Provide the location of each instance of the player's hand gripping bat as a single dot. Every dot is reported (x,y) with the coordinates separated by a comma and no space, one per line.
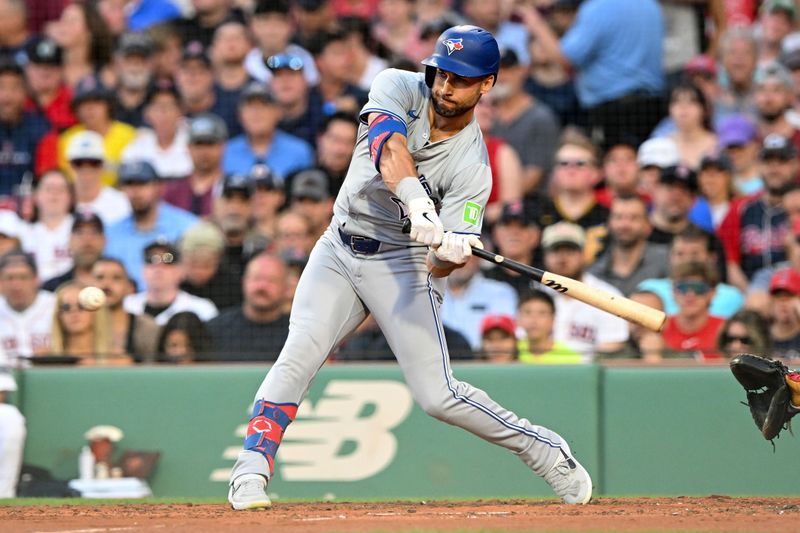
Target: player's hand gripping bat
(620,306)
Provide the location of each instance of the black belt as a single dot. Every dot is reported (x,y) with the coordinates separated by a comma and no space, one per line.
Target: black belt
(358,244)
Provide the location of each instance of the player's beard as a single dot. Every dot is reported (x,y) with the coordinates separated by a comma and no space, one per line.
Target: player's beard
(456,111)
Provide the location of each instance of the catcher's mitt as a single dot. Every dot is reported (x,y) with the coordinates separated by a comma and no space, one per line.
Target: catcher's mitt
(768,394)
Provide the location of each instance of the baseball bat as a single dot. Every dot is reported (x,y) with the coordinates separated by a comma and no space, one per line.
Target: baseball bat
(635,312)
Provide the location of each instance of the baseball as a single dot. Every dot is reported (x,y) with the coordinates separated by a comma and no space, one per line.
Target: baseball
(91,298)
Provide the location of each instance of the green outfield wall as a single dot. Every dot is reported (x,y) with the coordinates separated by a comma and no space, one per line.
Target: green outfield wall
(654,431)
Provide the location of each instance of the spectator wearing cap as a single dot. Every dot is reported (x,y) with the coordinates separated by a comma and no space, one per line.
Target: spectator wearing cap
(300,116)
(607,38)
(272,27)
(145,14)
(134,68)
(165,142)
(257,329)
(163,273)
(85,246)
(195,193)
(528,126)
(738,137)
(310,196)
(199,92)
(536,316)
(233,213)
(12,433)
(693,330)
(202,249)
(86,156)
(366,64)
(629,257)
(717,192)
(151,218)
(86,39)
(398,31)
(26,312)
(21,131)
(261,141)
(369,344)
(653,157)
(773,97)
(268,198)
(753,234)
(498,339)
(776,19)
(516,236)
(470,296)
(47,236)
(335,91)
(784,290)
(584,328)
(48,92)
(133,334)
(93,104)
(691,113)
(228,50)
(208,16)
(336,143)
(738,59)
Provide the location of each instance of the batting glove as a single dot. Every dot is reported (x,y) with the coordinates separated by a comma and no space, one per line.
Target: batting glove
(426,228)
(457,247)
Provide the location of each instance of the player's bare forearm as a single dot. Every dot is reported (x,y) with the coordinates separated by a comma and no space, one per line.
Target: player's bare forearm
(439,268)
(396,162)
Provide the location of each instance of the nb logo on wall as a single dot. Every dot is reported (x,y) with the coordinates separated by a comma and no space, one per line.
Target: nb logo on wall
(345,436)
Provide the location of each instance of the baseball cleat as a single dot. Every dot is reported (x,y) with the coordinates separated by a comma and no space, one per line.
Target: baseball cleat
(248,491)
(569,479)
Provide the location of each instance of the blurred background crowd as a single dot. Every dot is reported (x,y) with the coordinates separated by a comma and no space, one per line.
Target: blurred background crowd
(184,155)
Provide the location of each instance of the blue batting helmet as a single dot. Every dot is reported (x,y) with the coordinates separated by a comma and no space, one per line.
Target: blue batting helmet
(465,50)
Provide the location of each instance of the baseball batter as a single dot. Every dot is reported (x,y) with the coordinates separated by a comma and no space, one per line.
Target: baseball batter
(419,156)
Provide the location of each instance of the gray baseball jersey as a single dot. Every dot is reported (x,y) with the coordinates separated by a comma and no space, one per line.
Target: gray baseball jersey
(455,172)
(340,287)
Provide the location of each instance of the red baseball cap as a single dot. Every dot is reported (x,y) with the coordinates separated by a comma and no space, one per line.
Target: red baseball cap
(785,279)
(504,322)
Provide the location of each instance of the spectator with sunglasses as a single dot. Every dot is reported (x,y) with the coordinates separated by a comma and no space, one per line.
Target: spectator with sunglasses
(745,332)
(163,297)
(291,90)
(86,157)
(784,311)
(693,329)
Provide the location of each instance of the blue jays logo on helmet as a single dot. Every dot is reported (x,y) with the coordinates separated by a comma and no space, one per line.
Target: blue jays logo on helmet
(453,45)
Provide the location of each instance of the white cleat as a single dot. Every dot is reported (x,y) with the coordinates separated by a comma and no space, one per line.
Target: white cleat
(248,491)
(569,479)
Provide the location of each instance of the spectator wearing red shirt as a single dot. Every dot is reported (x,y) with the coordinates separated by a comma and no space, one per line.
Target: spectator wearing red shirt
(693,329)
(48,92)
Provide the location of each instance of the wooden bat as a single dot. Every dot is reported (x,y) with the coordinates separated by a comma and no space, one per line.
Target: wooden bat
(626,308)
(635,312)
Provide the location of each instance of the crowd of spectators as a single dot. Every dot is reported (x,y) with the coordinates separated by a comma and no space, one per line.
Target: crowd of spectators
(184,156)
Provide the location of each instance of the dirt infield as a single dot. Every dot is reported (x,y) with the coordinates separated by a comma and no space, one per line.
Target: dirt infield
(714,513)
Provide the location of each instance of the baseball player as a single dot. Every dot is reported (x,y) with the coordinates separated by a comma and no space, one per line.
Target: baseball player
(419,156)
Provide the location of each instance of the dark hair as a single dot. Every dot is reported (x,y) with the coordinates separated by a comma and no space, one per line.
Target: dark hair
(629,197)
(320,41)
(70,190)
(757,329)
(195,329)
(694,233)
(350,25)
(695,269)
(120,264)
(535,295)
(16,257)
(698,95)
(102,41)
(343,116)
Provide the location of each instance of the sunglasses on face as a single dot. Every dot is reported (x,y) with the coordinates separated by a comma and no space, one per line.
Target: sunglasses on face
(91,163)
(578,163)
(744,339)
(67,307)
(697,287)
(161,259)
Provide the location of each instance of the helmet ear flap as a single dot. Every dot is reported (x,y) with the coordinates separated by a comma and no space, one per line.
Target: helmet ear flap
(430,75)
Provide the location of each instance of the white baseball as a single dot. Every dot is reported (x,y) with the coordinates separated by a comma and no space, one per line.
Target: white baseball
(91,298)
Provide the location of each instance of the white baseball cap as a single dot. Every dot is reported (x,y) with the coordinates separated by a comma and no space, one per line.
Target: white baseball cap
(7,383)
(86,145)
(112,433)
(659,152)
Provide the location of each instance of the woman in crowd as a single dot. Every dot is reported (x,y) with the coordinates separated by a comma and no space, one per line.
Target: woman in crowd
(182,338)
(691,113)
(81,333)
(744,332)
(85,38)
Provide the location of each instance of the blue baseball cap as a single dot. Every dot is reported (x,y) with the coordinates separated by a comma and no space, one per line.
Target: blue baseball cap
(136,172)
(736,130)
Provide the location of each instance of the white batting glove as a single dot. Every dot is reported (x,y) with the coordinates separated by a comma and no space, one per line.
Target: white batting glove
(426,228)
(457,247)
